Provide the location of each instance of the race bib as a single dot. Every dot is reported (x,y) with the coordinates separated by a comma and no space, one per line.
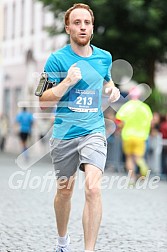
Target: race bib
(83,100)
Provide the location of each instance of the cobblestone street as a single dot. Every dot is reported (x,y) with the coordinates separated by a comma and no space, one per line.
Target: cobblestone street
(133,219)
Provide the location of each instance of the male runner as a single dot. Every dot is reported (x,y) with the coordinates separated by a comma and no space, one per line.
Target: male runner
(81,72)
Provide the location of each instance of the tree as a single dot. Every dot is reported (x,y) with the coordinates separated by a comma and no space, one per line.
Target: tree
(133,30)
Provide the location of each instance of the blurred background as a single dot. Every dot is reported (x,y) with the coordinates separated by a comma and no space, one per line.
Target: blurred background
(132,30)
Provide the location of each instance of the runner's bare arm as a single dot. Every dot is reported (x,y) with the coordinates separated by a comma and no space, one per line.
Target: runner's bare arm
(51,96)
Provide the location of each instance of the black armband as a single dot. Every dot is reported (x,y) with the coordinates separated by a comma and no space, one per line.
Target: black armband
(43,85)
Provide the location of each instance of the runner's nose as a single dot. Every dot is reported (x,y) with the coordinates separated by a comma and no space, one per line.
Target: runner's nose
(83,26)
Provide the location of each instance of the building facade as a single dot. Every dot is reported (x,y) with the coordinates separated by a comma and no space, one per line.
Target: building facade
(25,46)
(1,37)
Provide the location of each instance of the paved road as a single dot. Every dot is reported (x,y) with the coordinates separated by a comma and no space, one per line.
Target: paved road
(133,219)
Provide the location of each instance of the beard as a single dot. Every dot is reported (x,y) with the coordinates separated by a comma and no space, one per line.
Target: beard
(82,41)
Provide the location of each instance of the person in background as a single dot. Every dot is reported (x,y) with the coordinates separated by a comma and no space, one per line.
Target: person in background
(163,130)
(25,121)
(155,145)
(155,123)
(135,119)
(114,143)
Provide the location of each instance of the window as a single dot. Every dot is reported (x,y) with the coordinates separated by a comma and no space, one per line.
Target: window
(22,17)
(32,17)
(17,98)
(13,20)
(6,102)
(43,17)
(5,23)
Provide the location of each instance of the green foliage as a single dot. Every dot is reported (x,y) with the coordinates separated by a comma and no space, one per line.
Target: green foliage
(157,101)
(134,30)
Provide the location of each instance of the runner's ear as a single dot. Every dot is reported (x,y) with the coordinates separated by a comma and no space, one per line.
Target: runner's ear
(67,29)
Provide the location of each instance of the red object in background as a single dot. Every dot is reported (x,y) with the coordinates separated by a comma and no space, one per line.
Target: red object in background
(117,121)
(163,129)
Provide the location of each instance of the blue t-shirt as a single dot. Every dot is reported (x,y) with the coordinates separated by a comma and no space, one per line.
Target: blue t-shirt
(79,111)
(25,119)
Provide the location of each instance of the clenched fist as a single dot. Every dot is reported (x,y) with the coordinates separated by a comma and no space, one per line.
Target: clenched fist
(74,75)
(113,92)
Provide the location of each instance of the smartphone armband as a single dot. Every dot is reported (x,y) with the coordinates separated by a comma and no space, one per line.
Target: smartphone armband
(43,85)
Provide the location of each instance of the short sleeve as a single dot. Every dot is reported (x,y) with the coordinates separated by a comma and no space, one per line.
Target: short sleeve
(109,63)
(52,69)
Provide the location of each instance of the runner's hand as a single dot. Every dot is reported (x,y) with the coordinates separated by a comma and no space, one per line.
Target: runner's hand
(74,75)
(113,92)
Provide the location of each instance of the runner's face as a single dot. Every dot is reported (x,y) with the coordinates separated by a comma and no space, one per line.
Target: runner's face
(80,26)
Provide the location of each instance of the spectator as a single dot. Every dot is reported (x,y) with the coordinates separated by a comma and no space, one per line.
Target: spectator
(114,159)
(163,130)
(155,145)
(155,123)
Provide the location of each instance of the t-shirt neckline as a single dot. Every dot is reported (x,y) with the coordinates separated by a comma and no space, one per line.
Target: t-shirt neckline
(82,56)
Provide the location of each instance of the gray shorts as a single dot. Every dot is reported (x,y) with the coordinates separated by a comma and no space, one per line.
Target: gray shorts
(68,155)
